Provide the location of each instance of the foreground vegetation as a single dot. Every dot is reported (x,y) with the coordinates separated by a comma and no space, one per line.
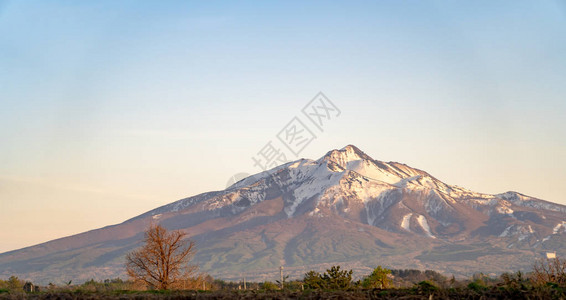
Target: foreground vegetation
(547,281)
(420,291)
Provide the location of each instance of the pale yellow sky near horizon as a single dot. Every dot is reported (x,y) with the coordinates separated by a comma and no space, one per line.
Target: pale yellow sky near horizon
(110,109)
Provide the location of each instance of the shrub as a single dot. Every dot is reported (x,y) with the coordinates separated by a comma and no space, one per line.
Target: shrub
(426,287)
(477,286)
(514,281)
(269,286)
(549,271)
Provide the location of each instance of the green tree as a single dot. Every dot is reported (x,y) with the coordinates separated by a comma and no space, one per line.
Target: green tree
(313,280)
(336,279)
(379,278)
(332,279)
(15,284)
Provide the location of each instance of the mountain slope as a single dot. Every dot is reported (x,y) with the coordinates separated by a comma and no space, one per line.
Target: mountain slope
(344,208)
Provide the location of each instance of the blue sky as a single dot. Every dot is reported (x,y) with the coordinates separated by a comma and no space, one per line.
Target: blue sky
(109,109)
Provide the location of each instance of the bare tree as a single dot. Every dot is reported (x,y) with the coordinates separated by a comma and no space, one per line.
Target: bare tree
(163,261)
(549,271)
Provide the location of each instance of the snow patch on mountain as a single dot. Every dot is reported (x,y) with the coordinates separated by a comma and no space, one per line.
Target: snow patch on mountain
(371,170)
(403,182)
(504,210)
(375,208)
(525,233)
(509,231)
(315,179)
(353,159)
(424,224)
(556,228)
(405,223)
(316,213)
(520,231)
(364,189)
(259,176)
(526,201)
(437,204)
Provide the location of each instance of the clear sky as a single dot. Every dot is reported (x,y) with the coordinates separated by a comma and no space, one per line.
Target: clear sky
(111,108)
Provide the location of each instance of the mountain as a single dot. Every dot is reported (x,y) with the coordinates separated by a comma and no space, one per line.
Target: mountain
(344,208)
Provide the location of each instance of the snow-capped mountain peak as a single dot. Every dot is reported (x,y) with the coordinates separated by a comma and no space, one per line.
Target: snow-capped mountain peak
(350,183)
(353,159)
(344,205)
(345,156)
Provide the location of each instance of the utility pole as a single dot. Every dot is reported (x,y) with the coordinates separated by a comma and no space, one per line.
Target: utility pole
(245,287)
(281,276)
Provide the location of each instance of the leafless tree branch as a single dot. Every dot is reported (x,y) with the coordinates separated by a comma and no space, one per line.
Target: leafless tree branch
(164,259)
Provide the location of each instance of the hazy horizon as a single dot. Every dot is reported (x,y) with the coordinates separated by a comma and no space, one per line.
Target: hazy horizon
(110,109)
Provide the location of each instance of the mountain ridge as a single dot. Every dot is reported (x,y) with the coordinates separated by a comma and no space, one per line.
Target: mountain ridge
(344,207)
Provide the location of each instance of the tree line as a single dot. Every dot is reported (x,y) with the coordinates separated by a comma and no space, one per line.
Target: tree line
(163,263)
